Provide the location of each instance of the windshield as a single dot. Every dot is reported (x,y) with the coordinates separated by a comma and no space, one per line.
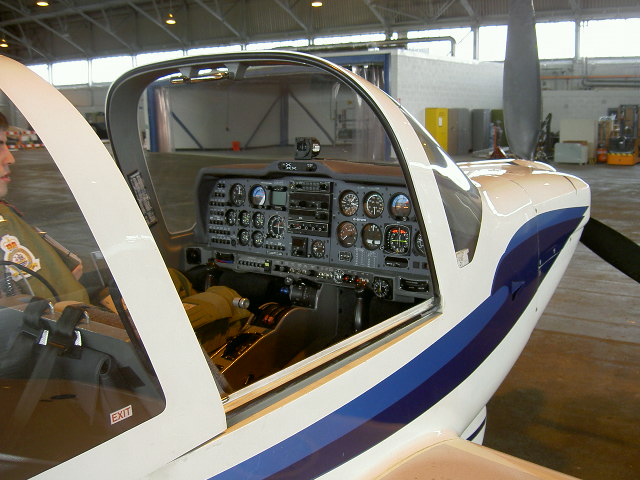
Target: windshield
(249,114)
(460,197)
(269,179)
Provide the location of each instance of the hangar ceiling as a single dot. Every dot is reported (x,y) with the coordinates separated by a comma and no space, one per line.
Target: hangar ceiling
(74,29)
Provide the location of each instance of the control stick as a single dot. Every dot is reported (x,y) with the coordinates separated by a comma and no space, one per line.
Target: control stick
(363,298)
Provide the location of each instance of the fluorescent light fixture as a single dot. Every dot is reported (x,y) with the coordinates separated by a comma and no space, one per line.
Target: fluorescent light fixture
(42,3)
(316,4)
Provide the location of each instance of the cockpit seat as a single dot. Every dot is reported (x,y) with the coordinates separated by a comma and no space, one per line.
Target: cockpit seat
(216,314)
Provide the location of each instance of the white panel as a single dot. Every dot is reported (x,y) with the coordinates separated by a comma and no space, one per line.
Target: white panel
(418,82)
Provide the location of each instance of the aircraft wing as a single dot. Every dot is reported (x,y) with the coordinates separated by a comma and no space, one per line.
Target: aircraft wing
(460,459)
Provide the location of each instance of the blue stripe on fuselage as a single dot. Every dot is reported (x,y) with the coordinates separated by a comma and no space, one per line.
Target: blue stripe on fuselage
(417,386)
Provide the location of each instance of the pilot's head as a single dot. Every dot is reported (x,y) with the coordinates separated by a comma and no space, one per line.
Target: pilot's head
(6,158)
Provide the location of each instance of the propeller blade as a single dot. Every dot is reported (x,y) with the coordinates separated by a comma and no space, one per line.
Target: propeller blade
(521,97)
(613,247)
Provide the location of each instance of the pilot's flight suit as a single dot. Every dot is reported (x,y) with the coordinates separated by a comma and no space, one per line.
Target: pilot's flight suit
(21,243)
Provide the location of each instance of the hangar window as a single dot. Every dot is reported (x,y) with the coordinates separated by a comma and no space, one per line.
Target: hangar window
(302,42)
(75,72)
(73,373)
(492,41)
(556,39)
(598,38)
(367,37)
(213,50)
(42,70)
(107,69)
(274,189)
(463,42)
(150,57)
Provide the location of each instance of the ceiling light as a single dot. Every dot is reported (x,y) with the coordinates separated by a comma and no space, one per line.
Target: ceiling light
(42,3)
(170,20)
(316,4)
(4,44)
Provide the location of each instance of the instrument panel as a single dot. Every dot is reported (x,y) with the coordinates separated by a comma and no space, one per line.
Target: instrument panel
(329,230)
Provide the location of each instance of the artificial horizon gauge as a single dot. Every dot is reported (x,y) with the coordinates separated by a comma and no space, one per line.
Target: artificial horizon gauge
(373,205)
(400,206)
(371,236)
(276,226)
(347,234)
(348,203)
(258,196)
(397,239)
(237,194)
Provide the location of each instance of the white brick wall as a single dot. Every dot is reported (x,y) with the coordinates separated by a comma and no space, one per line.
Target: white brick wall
(419,81)
(565,104)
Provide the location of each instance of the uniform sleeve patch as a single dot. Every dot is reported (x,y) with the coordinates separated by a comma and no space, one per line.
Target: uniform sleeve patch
(15,252)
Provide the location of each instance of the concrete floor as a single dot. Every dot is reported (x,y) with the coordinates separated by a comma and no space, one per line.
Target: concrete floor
(572,401)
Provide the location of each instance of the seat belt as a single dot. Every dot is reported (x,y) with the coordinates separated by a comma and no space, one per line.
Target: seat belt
(59,340)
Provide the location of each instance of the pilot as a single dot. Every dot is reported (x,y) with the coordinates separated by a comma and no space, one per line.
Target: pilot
(22,244)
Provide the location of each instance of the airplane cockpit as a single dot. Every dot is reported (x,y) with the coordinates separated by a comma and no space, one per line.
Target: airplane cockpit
(280,182)
(282,208)
(323,249)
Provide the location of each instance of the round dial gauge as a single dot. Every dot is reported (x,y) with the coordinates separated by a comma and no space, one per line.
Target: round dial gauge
(237,194)
(258,196)
(317,248)
(258,239)
(348,203)
(245,218)
(397,239)
(400,206)
(371,236)
(230,217)
(258,220)
(347,234)
(381,287)
(419,242)
(243,237)
(373,205)
(276,226)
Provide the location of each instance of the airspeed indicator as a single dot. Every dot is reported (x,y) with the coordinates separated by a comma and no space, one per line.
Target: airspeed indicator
(237,194)
(348,203)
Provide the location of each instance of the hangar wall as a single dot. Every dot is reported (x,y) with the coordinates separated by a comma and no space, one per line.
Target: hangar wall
(87,99)
(419,81)
(592,104)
